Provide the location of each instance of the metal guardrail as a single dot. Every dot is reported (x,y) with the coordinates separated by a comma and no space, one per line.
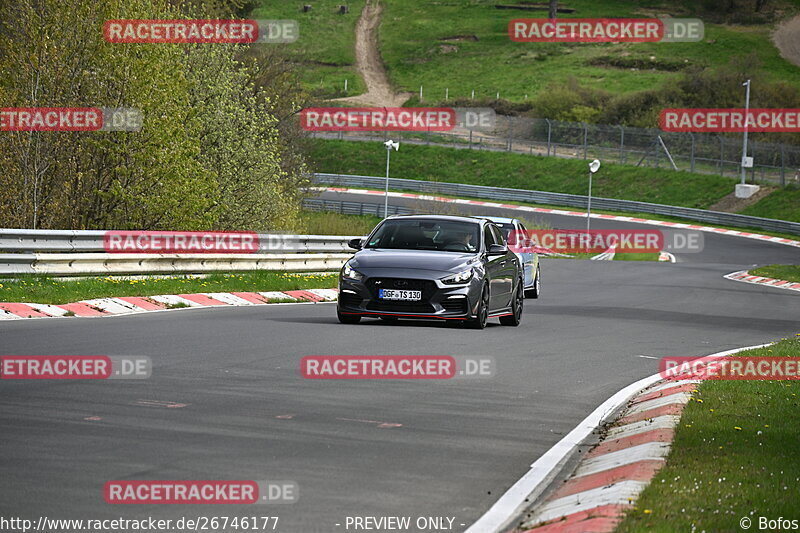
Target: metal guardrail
(552,198)
(82,264)
(87,241)
(94,264)
(354,208)
(82,253)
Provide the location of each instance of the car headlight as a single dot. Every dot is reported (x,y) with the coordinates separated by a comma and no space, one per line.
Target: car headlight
(462,277)
(350,273)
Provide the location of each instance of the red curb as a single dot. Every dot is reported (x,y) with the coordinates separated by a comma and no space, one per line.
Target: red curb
(639,471)
(654,435)
(686,387)
(22,310)
(82,309)
(202,299)
(143,302)
(251,297)
(598,520)
(670,409)
(304,295)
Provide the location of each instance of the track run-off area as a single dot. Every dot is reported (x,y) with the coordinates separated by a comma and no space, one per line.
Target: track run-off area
(226,399)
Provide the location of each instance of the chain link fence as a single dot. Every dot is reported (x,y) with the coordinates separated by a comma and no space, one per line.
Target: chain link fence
(774,164)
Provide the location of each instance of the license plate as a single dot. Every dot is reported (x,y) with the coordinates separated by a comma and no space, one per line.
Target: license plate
(393,294)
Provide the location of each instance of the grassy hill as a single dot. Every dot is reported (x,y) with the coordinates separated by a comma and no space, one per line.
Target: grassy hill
(463,45)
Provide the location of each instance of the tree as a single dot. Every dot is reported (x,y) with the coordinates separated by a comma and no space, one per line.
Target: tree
(210,154)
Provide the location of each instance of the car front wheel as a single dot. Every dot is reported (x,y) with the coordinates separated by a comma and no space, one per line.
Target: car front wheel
(482,313)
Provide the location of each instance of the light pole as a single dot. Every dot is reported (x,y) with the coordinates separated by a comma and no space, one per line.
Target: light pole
(389,145)
(746,124)
(594,166)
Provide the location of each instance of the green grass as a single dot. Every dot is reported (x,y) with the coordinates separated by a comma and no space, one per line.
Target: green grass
(46,290)
(417,46)
(521,171)
(414,48)
(330,223)
(325,50)
(783,204)
(636,257)
(787,272)
(734,455)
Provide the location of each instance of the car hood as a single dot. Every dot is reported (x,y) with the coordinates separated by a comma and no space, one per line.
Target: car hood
(413,259)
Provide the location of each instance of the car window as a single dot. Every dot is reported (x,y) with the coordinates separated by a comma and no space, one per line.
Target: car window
(488,238)
(426,234)
(498,237)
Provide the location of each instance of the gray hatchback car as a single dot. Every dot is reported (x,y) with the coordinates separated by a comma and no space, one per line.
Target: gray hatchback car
(432,267)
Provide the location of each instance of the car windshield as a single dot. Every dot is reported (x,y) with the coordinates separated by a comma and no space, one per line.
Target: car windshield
(505,229)
(422,234)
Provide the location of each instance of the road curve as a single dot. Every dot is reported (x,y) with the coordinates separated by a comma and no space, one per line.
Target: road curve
(459,445)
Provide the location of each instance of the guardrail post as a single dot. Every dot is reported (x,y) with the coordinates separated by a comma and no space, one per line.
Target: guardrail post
(691,161)
(721,156)
(510,133)
(622,144)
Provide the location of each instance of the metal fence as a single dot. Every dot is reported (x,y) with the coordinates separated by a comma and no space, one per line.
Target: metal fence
(89,241)
(553,198)
(353,208)
(694,152)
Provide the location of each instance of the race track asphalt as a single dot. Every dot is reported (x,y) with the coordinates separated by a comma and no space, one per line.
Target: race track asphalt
(457,445)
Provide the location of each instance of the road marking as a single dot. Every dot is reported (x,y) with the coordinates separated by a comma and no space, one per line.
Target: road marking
(382,425)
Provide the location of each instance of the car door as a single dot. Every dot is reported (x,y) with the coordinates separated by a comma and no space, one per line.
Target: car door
(495,264)
(508,270)
(525,254)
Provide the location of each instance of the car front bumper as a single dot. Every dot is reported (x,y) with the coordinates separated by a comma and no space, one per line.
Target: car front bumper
(439,301)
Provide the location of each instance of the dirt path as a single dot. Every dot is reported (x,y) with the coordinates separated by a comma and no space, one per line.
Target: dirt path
(787,39)
(731,204)
(369,64)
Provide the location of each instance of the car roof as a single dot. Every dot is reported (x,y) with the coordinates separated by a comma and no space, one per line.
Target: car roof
(500,220)
(451,218)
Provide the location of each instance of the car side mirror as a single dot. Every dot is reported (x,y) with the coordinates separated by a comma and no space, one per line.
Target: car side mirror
(355,244)
(497,249)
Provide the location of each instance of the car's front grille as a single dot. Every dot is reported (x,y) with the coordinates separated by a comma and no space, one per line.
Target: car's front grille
(400,307)
(458,305)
